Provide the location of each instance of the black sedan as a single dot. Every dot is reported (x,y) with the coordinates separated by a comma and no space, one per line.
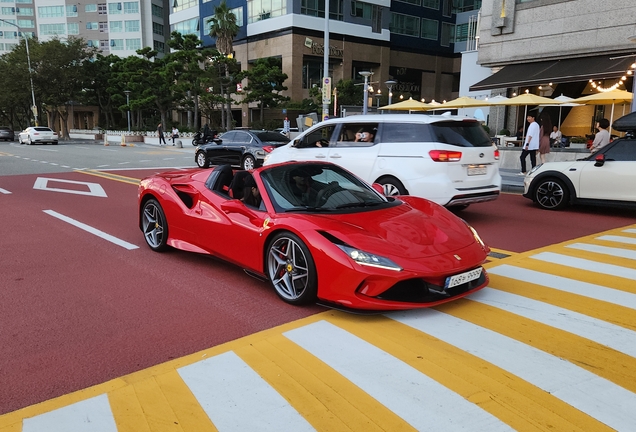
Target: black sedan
(242,148)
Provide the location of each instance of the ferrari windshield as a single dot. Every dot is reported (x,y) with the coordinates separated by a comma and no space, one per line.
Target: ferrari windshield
(318,188)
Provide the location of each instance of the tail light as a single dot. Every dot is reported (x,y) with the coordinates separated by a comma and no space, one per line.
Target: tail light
(496,154)
(268,149)
(445,155)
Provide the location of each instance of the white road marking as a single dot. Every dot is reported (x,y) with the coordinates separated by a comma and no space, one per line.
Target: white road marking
(52,163)
(595,396)
(618,239)
(602,332)
(560,283)
(92,230)
(237,399)
(94,189)
(4,191)
(617,252)
(171,158)
(46,149)
(65,166)
(421,401)
(102,166)
(124,163)
(85,148)
(110,150)
(90,415)
(630,230)
(145,160)
(585,264)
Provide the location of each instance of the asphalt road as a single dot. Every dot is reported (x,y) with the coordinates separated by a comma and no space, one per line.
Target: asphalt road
(79,310)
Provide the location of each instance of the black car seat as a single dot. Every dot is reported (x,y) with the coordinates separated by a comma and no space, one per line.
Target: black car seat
(222,180)
(238,183)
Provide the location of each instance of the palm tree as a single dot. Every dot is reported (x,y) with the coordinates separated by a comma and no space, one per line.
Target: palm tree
(224,29)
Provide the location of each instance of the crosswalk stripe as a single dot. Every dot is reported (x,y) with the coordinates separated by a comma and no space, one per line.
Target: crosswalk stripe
(511,399)
(189,413)
(596,396)
(422,402)
(89,415)
(585,264)
(612,251)
(561,283)
(600,331)
(237,399)
(618,239)
(326,399)
(630,230)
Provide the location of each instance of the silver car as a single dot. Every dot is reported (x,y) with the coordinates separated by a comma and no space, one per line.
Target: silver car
(37,134)
(6,133)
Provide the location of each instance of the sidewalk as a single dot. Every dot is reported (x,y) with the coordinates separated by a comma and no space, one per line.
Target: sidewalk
(511,181)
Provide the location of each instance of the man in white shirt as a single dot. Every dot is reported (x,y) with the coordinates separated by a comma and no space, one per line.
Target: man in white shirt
(602,138)
(531,144)
(555,137)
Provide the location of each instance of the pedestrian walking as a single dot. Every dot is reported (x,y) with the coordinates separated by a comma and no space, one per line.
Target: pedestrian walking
(531,144)
(175,134)
(160,132)
(544,140)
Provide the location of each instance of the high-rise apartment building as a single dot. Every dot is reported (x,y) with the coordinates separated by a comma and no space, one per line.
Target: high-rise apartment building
(115,27)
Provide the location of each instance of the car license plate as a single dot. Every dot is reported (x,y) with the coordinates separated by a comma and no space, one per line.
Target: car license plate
(477,170)
(453,281)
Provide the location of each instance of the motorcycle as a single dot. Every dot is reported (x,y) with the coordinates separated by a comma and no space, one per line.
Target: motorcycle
(200,139)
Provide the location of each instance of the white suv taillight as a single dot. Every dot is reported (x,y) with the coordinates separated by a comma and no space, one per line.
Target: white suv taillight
(496,154)
(445,155)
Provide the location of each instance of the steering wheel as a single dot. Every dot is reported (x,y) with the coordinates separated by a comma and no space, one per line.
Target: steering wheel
(326,192)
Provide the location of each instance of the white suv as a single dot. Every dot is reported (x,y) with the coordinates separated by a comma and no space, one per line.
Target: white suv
(447,159)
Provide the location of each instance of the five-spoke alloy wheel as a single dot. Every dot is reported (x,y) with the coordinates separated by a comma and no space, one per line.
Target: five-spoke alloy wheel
(248,162)
(154,225)
(291,269)
(202,160)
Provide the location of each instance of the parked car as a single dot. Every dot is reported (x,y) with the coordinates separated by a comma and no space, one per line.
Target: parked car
(447,159)
(317,233)
(37,134)
(6,133)
(242,148)
(606,177)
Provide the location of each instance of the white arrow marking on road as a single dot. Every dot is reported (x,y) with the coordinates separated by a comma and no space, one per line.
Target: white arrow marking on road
(4,191)
(94,189)
(90,229)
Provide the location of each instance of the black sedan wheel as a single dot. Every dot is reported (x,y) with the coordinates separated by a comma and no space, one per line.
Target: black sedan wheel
(154,225)
(392,186)
(202,160)
(291,269)
(551,194)
(248,162)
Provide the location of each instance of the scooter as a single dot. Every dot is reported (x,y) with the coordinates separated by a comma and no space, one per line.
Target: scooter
(198,139)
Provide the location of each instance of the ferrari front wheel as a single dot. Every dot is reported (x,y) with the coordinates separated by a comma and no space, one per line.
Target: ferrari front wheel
(154,225)
(291,269)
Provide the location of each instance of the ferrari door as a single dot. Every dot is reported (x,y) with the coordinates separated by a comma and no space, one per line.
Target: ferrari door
(614,179)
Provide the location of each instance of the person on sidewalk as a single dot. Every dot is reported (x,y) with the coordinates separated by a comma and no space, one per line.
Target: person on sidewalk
(544,140)
(602,138)
(160,133)
(175,134)
(531,144)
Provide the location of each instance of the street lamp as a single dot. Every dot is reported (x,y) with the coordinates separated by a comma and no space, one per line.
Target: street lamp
(378,95)
(365,103)
(632,38)
(390,84)
(128,106)
(26,43)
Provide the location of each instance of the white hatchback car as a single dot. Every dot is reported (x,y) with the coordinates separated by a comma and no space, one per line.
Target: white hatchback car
(37,134)
(447,159)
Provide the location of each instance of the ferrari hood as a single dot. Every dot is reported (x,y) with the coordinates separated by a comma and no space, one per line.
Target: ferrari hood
(401,231)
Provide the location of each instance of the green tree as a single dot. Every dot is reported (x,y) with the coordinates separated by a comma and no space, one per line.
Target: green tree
(223,27)
(349,93)
(59,76)
(265,79)
(96,76)
(15,97)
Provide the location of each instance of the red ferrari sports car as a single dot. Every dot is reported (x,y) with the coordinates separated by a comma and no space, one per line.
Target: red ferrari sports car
(317,233)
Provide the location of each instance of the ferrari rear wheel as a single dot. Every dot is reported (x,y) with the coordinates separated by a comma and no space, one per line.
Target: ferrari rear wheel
(551,194)
(291,269)
(154,225)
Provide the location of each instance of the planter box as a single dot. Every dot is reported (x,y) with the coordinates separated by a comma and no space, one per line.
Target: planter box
(578,145)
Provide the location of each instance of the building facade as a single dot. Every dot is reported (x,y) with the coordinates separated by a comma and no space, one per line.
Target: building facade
(409,41)
(554,47)
(118,28)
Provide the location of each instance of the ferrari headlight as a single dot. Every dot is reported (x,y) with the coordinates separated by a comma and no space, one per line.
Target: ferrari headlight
(475,234)
(369,259)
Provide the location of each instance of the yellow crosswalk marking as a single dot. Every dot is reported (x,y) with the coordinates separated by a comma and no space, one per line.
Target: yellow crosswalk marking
(128,413)
(511,399)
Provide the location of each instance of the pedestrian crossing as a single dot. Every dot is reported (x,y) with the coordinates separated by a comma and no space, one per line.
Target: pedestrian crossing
(550,344)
